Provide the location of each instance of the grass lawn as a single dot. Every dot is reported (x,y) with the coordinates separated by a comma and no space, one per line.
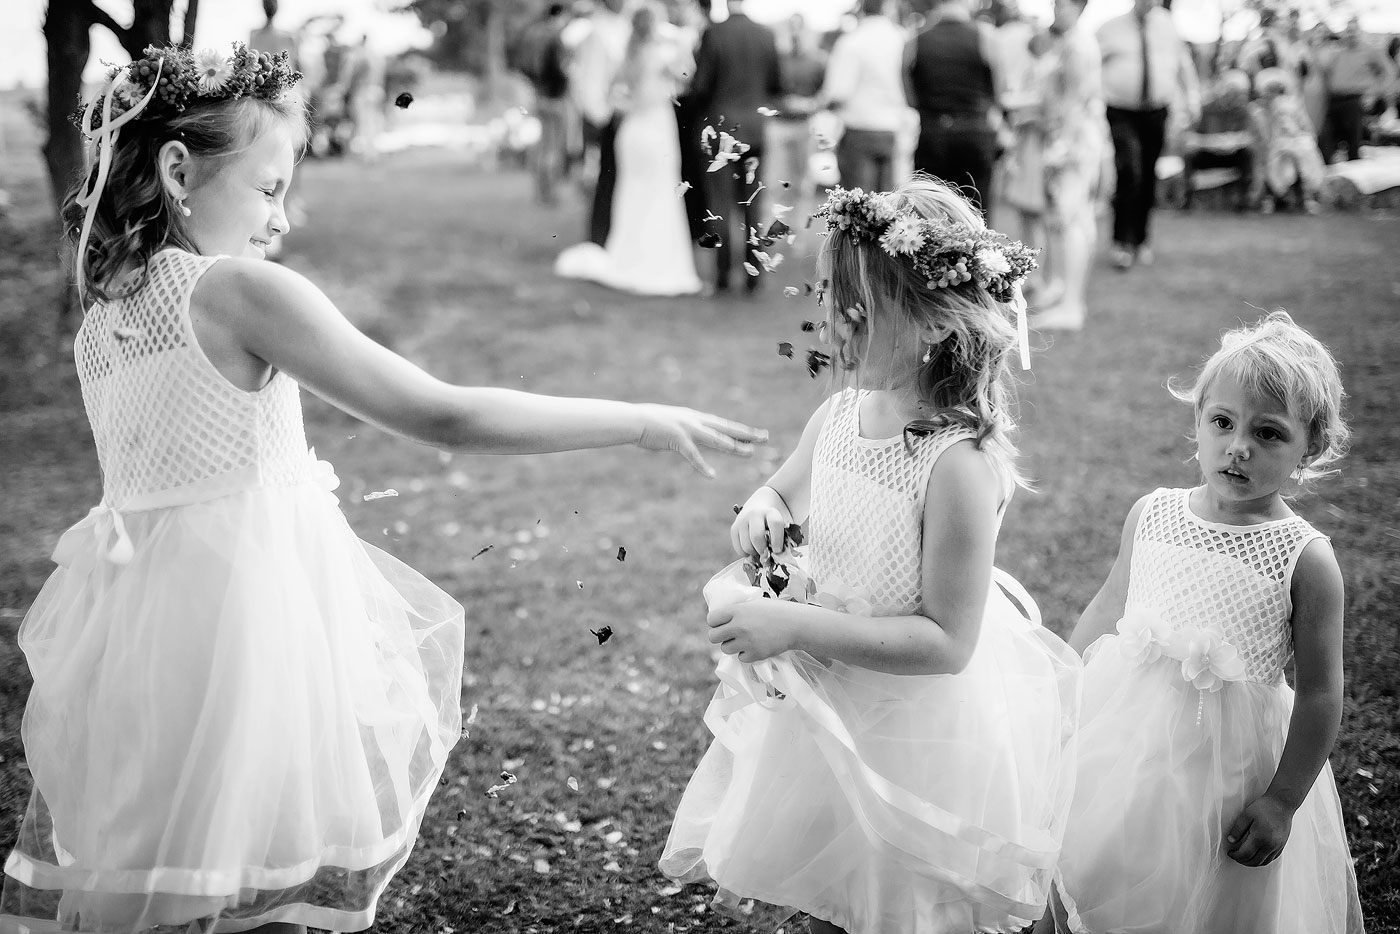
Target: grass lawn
(451,268)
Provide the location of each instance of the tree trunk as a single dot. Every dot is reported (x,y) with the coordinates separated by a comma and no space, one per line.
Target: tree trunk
(495,50)
(66,27)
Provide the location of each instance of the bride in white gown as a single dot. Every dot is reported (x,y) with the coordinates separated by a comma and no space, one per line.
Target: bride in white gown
(648,249)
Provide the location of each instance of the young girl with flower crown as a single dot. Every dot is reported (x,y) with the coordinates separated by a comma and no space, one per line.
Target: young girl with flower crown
(239,709)
(891,751)
(1204,804)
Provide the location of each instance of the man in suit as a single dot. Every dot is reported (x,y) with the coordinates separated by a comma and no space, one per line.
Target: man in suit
(737,77)
(595,66)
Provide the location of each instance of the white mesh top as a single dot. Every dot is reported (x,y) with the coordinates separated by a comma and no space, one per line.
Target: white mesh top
(170,427)
(1198,573)
(866,527)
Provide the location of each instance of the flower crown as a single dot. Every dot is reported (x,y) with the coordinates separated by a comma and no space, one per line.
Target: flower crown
(945,254)
(170,79)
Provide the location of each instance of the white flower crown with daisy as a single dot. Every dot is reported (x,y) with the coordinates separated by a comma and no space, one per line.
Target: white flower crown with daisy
(167,81)
(946,255)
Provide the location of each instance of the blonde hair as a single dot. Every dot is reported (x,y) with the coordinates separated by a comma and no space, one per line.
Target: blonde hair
(135,216)
(967,377)
(1278,359)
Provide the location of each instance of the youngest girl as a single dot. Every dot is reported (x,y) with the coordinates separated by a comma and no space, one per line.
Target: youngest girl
(904,767)
(1204,804)
(239,709)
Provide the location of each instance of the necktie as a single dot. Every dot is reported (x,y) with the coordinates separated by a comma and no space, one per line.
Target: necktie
(1146,66)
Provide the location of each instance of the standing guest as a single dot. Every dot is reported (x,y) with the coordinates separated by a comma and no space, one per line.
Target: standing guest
(737,82)
(544,61)
(1358,74)
(802,64)
(865,87)
(1146,69)
(1315,42)
(596,63)
(364,97)
(1075,140)
(1273,47)
(273,39)
(951,76)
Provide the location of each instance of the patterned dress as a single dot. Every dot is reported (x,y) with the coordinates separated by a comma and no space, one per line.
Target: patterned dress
(921,804)
(1167,763)
(239,709)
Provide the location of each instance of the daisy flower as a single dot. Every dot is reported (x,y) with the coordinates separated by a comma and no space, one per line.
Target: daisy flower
(903,236)
(213,71)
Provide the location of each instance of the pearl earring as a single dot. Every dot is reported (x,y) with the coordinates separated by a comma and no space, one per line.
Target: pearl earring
(183,210)
(928,353)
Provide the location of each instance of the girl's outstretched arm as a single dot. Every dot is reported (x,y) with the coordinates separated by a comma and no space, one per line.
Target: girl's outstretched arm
(279,318)
(784,500)
(1259,832)
(959,540)
(1106,609)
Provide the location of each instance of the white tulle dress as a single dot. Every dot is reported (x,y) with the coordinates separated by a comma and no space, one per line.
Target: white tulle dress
(1167,763)
(239,709)
(884,803)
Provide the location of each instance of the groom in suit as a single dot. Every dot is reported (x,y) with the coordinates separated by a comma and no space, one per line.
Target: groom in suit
(595,66)
(736,74)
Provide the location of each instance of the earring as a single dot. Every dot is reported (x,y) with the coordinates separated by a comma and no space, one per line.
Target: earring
(928,353)
(183,210)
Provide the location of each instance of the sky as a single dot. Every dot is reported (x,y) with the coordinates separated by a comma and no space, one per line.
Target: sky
(223,21)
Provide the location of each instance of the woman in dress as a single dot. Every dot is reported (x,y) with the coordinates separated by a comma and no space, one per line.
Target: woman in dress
(648,249)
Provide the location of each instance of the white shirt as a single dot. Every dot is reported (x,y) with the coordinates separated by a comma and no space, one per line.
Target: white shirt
(596,63)
(865,78)
(1172,74)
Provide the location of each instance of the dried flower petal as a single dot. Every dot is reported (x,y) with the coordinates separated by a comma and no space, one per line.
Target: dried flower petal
(403,100)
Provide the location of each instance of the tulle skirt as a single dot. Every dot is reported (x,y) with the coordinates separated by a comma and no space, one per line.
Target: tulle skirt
(1164,770)
(243,722)
(886,803)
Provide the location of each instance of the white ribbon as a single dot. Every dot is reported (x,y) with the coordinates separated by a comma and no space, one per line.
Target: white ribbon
(105,139)
(1023,330)
(100,526)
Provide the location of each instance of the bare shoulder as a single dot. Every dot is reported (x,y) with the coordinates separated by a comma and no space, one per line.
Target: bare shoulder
(234,284)
(965,473)
(1317,577)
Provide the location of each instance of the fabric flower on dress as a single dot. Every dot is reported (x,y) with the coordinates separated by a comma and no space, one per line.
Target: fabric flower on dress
(323,475)
(212,70)
(1207,660)
(836,594)
(1142,635)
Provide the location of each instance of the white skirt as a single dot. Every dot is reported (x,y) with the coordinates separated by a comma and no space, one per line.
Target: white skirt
(244,722)
(1164,770)
(879,802)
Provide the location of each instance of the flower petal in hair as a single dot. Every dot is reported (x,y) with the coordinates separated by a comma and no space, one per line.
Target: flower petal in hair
(212,70)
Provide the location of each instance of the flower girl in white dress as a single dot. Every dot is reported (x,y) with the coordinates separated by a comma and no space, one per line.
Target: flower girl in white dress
(891,755)
(239,709)
(1204,803)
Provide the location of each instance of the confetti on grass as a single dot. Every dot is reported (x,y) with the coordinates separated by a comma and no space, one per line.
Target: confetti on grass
(507,779)
(403,100)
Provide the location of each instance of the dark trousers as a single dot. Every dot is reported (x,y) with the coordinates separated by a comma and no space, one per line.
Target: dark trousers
(865,159)
(693,165)
(1343,126)
(961,151)
(600,218)
(730,194)
(1137,144)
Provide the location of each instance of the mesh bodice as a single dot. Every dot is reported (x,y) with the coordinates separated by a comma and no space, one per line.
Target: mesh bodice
(164,419)
(866,527)
(1198,573)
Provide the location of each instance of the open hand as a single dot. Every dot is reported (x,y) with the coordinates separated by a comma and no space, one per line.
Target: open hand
(685,431)
(1257,836)
(754,629)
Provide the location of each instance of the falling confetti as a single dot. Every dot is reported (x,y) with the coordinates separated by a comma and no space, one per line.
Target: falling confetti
(603,634)
(785,349)
(809,326)
(778,229)
(710,241)
(767,112)
(817,361)
(786,185)
(682,188)
(711,216)
(621,553)
(580,584)
(779,210)
(737,508)
(791,292)
(751,269)
(382,494)
(754,195)
(482,551)
(403,100)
